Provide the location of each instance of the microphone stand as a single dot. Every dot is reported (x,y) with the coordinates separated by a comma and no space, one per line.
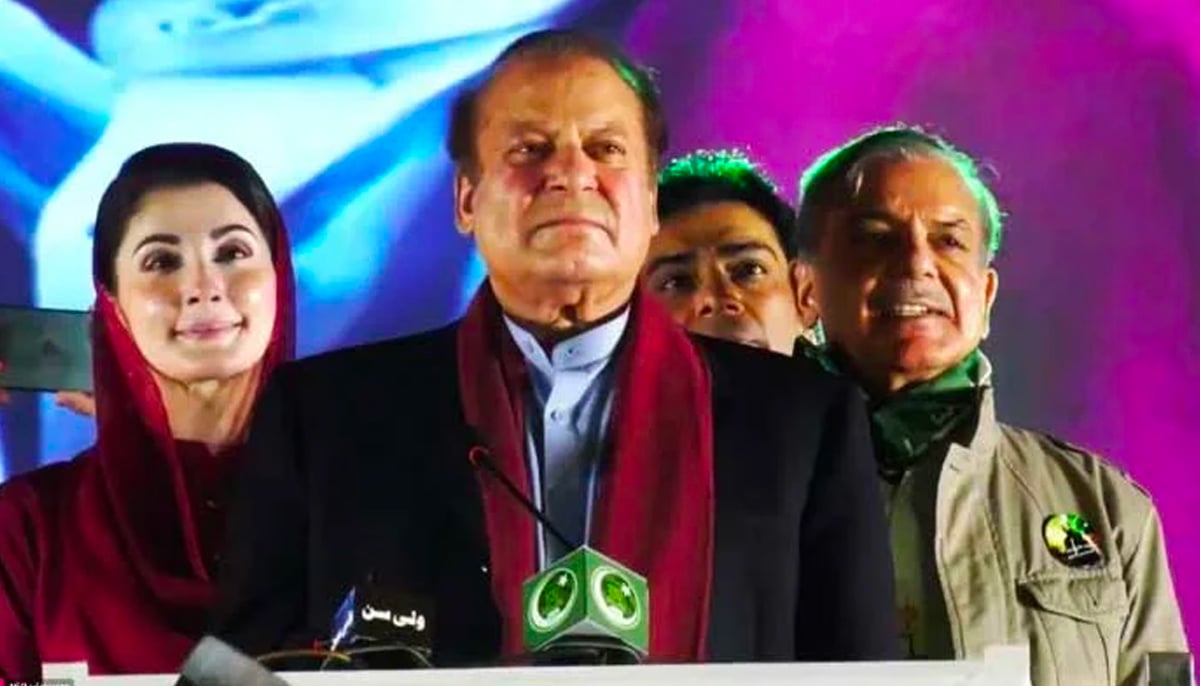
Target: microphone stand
(586,650)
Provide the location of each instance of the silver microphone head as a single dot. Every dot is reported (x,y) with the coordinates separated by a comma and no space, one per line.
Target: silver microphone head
(215,663)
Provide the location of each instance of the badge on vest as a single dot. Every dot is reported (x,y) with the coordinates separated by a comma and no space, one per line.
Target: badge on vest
(1071,541)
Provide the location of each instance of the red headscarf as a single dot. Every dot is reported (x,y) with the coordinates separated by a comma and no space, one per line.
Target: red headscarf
(136,453)
(104,557)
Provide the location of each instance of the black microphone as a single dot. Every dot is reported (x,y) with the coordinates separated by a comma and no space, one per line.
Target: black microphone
(215,663)
(583,609)
(482,457)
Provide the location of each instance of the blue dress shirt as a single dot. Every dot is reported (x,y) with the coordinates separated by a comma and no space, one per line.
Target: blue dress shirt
(566,424)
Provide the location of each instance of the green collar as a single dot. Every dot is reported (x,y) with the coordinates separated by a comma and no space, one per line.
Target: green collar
(906,425)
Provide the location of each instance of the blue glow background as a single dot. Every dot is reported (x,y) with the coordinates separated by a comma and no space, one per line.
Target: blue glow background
(340,104)
(1089,110)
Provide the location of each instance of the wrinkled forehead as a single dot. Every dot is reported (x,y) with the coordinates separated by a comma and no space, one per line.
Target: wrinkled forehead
(911,178)
(553,89)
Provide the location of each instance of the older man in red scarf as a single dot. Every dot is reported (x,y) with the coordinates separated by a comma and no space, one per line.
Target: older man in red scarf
(740,484)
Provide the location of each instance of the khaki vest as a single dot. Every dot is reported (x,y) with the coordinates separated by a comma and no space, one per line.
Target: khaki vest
(1001,584)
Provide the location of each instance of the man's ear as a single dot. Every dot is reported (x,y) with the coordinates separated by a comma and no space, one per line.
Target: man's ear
(804,293)
(464,203)
(989,298)
(654,229)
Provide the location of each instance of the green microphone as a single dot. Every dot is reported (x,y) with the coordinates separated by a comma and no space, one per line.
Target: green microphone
(587,600)
(585,608)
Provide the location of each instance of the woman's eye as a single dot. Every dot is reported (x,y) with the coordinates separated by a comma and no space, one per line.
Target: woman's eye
(232,251)
(161,261)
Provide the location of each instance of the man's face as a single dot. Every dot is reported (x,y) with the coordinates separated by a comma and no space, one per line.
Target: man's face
(721,271)
(562,206)
(901,279)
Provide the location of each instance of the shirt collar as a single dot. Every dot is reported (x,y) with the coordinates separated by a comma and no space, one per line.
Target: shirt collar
(584,349)
(987,431)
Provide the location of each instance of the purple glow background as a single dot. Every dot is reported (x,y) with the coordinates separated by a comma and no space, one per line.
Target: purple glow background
(1090,113)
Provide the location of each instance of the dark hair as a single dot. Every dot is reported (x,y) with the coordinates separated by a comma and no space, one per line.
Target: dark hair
(836,176)
(172,165)
(710,176)
(555,43)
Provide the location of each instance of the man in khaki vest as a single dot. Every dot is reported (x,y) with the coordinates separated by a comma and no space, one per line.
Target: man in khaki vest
(999,534)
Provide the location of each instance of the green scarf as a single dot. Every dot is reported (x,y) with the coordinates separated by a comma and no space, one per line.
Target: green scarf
(906,425)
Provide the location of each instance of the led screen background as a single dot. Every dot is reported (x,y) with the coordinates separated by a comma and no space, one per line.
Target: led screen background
(1087,111)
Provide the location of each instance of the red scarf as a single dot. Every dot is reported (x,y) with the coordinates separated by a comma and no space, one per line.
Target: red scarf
(107,552)
(654,506)
(144,501)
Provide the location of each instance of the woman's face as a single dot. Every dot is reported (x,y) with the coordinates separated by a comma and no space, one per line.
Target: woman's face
(196,284)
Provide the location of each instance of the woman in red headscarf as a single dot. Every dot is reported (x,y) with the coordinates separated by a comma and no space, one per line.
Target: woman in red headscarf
(110,558)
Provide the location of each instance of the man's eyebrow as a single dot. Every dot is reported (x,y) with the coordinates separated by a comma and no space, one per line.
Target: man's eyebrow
(734,249)
(678,259)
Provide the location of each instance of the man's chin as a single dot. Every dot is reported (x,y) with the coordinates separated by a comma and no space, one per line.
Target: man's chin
(579,270)
(746,338)
(924,362)
(752,342)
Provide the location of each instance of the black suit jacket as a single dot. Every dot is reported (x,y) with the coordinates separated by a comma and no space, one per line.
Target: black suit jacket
(357,466)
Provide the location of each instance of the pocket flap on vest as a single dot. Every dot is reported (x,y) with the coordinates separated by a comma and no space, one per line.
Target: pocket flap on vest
(1086,598)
